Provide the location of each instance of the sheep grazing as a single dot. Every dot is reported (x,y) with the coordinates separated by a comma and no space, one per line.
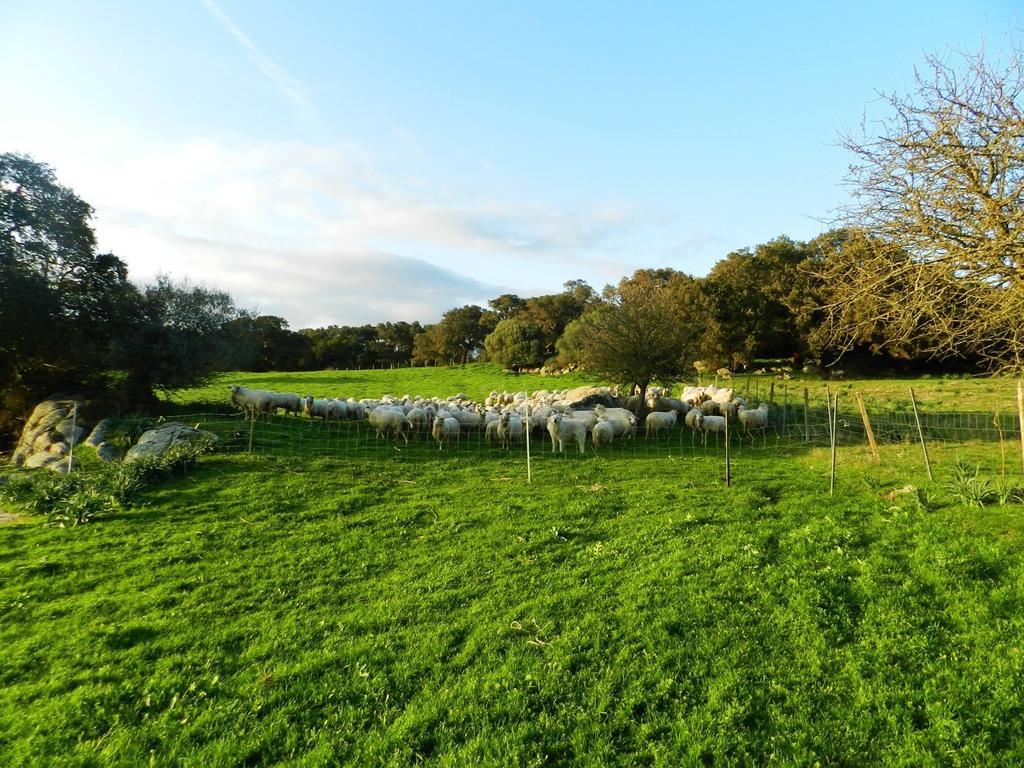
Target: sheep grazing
(563,430)
(693,419)
(659,421)
(491,432)
(252,401)
(510,429)
(602,434)
(390,420)
(469,419)
(314,407)
(445,430)
(624,427)
(587,417)
(337,410)
(286,402)
(714,424)
(418,422)
(729,409)
(753,418)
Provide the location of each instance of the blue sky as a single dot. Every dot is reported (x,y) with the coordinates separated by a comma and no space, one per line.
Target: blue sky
(359,162)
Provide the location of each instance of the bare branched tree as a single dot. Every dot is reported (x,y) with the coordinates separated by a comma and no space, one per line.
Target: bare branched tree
(939,197)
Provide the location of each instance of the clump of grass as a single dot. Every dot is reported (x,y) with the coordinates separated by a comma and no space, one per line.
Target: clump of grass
(968,488)
(71,500)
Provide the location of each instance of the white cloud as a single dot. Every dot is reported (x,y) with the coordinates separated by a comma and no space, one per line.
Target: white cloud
(290,87)
(319,234)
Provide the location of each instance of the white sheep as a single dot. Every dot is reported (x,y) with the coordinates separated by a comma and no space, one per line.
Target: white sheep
(659,421)
(510,429)
(418,421)
(602,433)
(563,430)
(621,427)
(389,420)
(587,417)
(252,401)
(693,418)
(286,401)
(314,407)
(337,410)
(491,432)
(445,430)
(753,418)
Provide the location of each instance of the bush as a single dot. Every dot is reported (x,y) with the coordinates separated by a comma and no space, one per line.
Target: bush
(69,500)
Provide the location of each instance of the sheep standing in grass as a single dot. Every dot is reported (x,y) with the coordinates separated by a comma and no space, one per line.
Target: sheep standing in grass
(510,429)
(491,432)
(337,410)
(564,430)
(753,418)
(314,407)
(418,421)
(622,426)
(659,421)
(390,420)
(445,430)
(602,434)
(287,402)
(252,401)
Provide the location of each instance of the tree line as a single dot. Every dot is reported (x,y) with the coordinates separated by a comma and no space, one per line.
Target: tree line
(926,268)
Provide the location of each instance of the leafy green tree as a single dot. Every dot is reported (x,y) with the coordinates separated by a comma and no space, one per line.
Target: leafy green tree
(553,312)
(514,344)
(182,336)
(462,332)
(754,299)
(648,331)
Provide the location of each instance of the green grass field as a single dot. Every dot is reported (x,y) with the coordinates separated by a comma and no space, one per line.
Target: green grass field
(630,610)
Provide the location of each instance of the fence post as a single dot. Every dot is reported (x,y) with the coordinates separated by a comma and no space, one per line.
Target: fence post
(832,472)
(828,410)
(74,416)
(252,427)
(867,427)
(1020,419)
(771,395)
(807,416)
(785,407)
(529,473)
(728,468)
(920,434)
(1002,446)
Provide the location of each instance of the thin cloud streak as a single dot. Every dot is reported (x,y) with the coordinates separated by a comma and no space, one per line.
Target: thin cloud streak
(285,83)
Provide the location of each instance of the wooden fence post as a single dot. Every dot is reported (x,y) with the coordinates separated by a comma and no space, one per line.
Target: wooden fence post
(867,427)
(771,395)
(785,406)
(728,467)
(833,430)
(807,416)
(1002,445)
(920,434)
(1020,418)
(828,409)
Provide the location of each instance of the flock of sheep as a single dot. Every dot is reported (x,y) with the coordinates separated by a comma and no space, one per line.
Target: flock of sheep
(568,416)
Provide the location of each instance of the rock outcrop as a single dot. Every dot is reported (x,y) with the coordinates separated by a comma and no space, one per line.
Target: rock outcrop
(49,434)
(156,441)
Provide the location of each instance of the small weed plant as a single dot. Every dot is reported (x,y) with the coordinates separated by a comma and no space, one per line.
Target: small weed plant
(968,488)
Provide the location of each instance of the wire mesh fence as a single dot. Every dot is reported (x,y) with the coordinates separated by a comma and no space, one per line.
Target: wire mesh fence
(790,427)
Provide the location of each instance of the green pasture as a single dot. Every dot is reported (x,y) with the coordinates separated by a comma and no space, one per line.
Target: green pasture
(394,606)
(953,394)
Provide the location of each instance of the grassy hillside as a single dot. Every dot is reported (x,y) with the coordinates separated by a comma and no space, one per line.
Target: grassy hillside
(955,394)
(396,610)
